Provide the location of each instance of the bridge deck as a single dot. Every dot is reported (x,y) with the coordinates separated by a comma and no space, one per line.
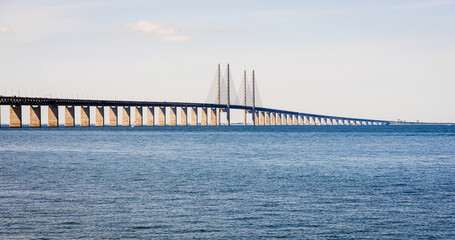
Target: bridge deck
(13,100)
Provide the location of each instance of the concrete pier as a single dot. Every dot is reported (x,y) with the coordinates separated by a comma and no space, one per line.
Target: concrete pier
(323,121)
(183,116)
(261,118)
(278,119)
(162,116)
(35,116)
(194,116)
(126,117)
(99,116)
(52,116)
(150,116)
(306,121)
(212,116)
(267,118)
(218,116)
(69,116)
(204,116)
(296,120)
(273,119)
(85,116)
(113,116)
(138,117)
(286,119)
(15,116)
(328,121)
(300,120)
(317,121)
(256,117)
(173,117)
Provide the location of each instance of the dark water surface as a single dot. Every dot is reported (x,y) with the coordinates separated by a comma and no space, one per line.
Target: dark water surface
(304,182)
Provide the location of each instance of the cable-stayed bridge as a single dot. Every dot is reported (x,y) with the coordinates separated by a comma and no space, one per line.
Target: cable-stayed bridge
(222,98)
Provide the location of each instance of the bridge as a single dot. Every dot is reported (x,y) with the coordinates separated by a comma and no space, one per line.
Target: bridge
(202,114)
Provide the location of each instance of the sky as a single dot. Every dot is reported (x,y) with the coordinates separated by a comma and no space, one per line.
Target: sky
(389,59)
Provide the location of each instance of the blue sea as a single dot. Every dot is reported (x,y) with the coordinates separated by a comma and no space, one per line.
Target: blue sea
(300,182)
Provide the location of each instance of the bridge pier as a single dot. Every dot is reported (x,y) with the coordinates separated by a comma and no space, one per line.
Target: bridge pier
(267,118)
(335,122)
(329,121)
(306,121)
(296,120)
(204,120)
(218,116)
(15,116)
(212,116)
(99,116)
(272,119)
(35,116)
(278,119)
(183,116)
(126,116)
(162,116)
(256,118)
(300,120)
(150,116)
(194,116)
(69,116)
(138,117)
(113,118)
(323,121)
(52,116)
(85,116)
(261,118)
(173,120)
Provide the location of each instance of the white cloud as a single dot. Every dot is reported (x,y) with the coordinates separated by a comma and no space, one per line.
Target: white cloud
(5,30)
(160,32)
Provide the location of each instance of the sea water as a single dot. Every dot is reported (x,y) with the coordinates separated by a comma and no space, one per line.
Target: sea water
(303,182)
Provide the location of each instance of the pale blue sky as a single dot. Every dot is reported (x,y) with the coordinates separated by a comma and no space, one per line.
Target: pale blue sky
(369,59)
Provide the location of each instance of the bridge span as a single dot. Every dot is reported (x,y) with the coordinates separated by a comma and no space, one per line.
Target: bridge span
(203,114)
